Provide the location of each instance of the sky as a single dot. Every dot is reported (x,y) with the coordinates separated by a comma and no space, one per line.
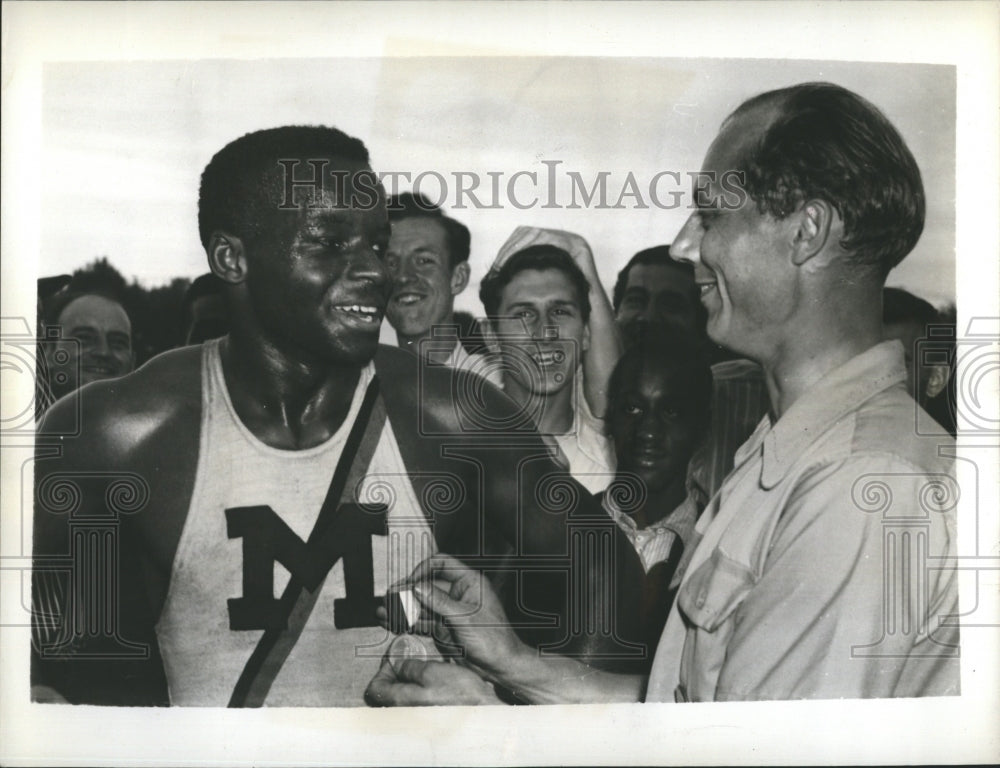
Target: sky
(124,144)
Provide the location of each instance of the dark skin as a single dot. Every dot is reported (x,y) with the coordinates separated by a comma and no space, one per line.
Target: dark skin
(306,301)
(656,421)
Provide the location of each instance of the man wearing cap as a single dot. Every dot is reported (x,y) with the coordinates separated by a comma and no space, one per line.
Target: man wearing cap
(556,342)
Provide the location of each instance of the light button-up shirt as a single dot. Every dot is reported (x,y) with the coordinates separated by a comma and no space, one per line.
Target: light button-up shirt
(826,564)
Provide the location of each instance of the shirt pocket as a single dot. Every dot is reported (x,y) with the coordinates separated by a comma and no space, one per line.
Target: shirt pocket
(714,591)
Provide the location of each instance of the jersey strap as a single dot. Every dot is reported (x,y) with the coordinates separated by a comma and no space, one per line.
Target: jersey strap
(297,601)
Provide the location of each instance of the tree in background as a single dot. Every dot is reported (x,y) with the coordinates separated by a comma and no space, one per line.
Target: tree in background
(155,312)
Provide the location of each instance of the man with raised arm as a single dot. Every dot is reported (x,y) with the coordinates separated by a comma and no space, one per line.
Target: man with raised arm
(556,341)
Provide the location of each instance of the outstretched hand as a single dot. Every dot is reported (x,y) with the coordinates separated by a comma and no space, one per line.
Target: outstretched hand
(418,683)
(468,615)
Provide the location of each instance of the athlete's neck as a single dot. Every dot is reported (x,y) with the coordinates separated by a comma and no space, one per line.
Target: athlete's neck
(286,401)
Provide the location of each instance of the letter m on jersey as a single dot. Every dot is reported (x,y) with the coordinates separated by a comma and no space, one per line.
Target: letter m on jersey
(267,538)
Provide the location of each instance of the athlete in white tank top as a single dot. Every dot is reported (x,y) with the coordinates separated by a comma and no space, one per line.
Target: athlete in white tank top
(235,541)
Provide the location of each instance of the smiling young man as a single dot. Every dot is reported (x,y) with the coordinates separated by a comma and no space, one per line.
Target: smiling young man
(826,563)
(293,441)
(538,306)
(428,265)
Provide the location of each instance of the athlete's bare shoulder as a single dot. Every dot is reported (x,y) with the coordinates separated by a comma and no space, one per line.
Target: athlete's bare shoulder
(448,400)
(108,421)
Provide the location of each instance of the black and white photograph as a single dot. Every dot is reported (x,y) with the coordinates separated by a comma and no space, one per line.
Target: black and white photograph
(500,383)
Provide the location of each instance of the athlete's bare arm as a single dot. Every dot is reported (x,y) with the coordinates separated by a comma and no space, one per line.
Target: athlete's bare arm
(512,486)
(129,470)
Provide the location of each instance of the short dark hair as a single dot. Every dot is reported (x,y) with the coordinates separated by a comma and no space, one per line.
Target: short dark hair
(410,205)
(538,257)
(829,143)
(658,255)
(240,186)
(899,306)
(679,352)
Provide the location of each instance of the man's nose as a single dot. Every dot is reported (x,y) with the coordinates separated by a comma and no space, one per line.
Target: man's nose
(366,265)
(403,271)
(687,245)
(651,313)
(650,431)
(101,348)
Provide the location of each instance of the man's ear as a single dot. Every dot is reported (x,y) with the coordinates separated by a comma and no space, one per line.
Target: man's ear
(227,257)
(812,222)
(586,337)
(459,278)
(937,380)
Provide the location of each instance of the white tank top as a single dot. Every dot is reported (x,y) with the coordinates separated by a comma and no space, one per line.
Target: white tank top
(206,633)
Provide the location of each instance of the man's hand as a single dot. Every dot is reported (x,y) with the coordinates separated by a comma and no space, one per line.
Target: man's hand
(427,683)
(468,615)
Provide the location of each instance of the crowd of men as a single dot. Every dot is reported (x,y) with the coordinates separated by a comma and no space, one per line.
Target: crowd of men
(671,494)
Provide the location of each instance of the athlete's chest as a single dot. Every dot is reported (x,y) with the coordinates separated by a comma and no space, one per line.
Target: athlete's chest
(281,560)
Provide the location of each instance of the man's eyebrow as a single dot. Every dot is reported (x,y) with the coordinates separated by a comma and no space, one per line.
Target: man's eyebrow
(78,328)
(566,303)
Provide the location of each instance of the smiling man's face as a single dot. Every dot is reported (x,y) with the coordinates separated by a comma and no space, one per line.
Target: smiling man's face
(740,255)
(316,280)
(98,341)
(424,282)
(541,330)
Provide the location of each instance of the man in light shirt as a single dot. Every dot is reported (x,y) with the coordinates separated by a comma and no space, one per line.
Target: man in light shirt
(822,570)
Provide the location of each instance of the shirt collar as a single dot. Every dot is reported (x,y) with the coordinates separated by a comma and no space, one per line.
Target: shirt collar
(828,401)
(457,357)
(679,521)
